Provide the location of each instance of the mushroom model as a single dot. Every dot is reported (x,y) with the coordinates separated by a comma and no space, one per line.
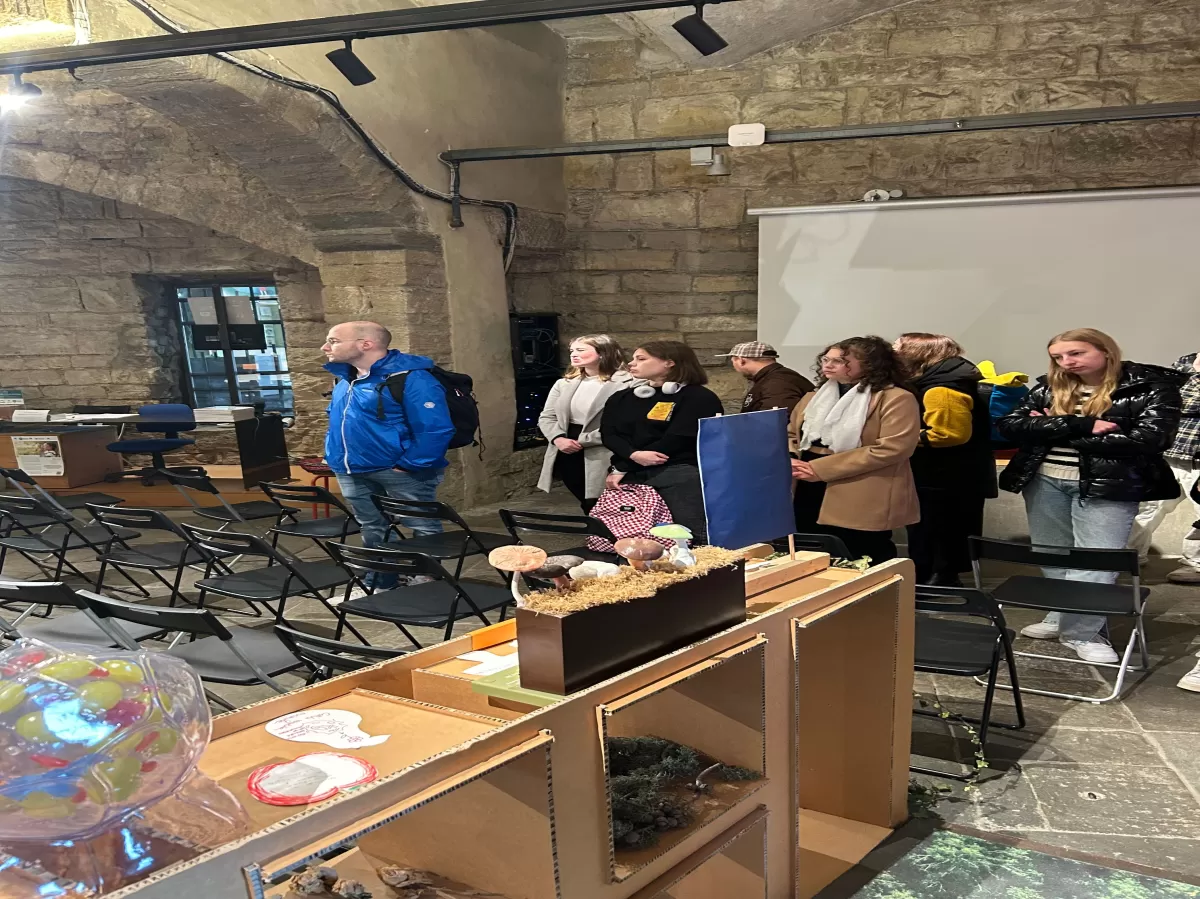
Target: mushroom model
(638,551)
(517,559)
(680,556)
(557,569)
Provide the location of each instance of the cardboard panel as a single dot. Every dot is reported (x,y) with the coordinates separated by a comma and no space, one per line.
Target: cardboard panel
(717,707)
(733,865)
(417,731)
(853,673)
(491,828)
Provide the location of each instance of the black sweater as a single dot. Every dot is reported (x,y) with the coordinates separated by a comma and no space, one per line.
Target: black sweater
(626,428)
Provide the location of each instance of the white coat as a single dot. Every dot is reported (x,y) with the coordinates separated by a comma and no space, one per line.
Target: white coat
(556,418)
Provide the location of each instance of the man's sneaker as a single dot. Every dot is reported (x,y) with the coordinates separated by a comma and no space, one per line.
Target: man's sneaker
(339,598)
(1191,680)
(1043,630)
(1096,651)
(1185,574)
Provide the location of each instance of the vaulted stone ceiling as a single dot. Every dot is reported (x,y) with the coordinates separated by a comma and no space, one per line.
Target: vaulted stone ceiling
(26,24)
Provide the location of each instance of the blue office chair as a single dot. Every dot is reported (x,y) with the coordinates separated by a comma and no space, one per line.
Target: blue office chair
(161,418)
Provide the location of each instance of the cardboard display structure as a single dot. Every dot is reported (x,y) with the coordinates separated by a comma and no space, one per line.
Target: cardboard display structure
(813,691)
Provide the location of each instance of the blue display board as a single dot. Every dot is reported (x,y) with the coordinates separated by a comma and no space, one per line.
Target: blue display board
(747,477)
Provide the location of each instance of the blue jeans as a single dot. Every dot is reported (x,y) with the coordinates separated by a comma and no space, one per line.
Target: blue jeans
(358,490)
(1058,516)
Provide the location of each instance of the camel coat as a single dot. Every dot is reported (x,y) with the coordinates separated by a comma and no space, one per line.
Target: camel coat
(871,488)
(556,418)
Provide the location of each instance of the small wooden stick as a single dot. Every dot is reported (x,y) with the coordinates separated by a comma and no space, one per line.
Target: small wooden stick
(792,546)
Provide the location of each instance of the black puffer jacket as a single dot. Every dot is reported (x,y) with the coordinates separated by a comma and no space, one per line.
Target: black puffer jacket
(1125,465)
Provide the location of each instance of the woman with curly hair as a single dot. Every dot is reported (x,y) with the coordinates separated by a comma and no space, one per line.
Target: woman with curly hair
(851,442)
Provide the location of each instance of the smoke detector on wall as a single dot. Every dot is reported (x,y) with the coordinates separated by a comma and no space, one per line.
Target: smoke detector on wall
(717,163)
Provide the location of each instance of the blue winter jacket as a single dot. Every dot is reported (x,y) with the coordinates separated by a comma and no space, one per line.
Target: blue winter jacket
(413,436)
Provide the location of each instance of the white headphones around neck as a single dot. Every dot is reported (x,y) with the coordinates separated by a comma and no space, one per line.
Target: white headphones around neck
(645,391)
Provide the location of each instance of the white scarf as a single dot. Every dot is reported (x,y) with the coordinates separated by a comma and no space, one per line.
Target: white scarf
(834,419)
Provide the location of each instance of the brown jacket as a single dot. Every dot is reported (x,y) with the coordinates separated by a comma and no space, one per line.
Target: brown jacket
(776,387)
(871,488)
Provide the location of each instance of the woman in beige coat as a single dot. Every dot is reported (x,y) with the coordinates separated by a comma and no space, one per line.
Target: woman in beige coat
(570,420)
(851,442)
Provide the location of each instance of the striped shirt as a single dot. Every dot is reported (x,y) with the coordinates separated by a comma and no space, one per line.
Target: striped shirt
(1063,461)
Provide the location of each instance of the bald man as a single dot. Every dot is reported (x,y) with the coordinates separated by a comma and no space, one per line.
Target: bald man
(376,444)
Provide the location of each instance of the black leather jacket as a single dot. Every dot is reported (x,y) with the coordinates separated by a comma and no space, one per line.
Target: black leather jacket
(1125,465)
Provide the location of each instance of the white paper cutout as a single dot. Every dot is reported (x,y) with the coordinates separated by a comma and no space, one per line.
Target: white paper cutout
(337,728)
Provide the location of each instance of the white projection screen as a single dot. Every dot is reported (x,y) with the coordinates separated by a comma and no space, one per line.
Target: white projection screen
(999,274)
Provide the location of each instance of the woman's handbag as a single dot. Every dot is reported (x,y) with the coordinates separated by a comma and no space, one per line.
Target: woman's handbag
(629,510)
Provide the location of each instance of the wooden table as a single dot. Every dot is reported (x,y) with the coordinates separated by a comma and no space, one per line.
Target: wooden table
(84,455)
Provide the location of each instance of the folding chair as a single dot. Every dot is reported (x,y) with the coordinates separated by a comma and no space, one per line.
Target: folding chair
(822,543)
(228,513)
(325,657)
(439,602)
(952,639)
(455,544)
(64,536)
(219,655)
(336,527)
(81,626)
(31,489)
(173,555)
(580,526)
(283,577)
(1078,597)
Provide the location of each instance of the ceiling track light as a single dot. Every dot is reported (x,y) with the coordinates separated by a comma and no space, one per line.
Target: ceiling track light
(352,68)
(19,93)
(699,33)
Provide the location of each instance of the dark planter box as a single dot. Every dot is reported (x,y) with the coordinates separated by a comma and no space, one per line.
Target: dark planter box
(567,653)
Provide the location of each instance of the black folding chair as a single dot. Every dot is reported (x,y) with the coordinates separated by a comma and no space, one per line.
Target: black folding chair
(577,526)
(332,527)
(240,656)
(228,513)
(822,543)
(1072,597)
(57,540)
(453,544)
(438,602)
(962,633)
(31,489)
(172,555)
(284,576)
(325,657)
(81,626)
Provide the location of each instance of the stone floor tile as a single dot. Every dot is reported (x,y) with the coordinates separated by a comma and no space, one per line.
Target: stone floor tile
(1115,799)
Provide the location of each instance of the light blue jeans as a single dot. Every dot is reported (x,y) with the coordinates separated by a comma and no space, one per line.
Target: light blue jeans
(1058,516)
(358,490)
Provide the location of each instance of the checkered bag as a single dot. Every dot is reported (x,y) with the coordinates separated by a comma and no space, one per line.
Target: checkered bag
(629,510)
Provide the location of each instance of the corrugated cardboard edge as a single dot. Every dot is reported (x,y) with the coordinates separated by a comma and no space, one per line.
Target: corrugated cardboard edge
(606,710)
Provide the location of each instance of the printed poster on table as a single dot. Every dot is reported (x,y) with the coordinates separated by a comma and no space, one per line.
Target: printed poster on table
(40,457)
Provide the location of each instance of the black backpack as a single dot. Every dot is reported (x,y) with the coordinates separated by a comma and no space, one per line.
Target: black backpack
(460,398)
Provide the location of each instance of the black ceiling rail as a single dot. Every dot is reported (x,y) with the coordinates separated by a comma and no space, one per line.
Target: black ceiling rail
(473,14)
(966,124)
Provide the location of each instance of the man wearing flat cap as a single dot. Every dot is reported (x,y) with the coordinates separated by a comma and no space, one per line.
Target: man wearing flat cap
(771,384)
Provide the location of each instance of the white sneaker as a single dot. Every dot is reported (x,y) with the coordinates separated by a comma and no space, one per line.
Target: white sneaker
(1191,680)
(1095,651)
(356,593)
(1043,630)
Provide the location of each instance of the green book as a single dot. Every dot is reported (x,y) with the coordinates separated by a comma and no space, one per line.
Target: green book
(506,684)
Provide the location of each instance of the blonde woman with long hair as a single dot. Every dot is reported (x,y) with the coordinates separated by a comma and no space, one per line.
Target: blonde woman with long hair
(1091,437)
(570,420)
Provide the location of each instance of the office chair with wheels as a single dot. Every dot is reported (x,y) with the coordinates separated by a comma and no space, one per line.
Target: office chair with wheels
(169,419)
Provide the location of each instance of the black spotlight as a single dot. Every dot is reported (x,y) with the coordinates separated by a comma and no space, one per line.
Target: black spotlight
(699,33)
(352,68)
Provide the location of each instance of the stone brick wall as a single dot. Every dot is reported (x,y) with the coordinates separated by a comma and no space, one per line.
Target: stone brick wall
(656,247)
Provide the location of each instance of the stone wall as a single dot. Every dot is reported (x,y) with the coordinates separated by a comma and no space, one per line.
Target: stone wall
(656,247)
(83,318)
